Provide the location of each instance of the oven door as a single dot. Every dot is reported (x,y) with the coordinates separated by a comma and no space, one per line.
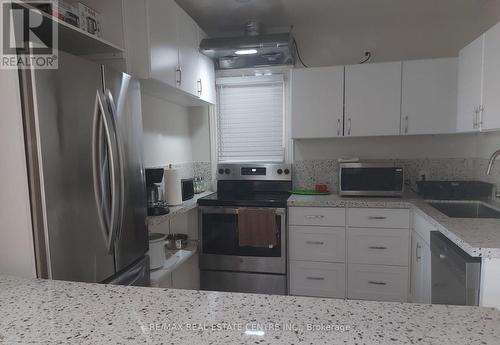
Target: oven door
(219,248)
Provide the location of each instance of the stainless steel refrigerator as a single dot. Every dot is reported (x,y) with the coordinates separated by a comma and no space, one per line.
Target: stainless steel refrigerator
(83,129)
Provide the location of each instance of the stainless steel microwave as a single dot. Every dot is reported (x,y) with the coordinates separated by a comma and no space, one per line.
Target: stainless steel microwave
(371,179)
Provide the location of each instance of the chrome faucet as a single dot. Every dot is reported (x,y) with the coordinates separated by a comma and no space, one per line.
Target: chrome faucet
(490,166)
(492,161)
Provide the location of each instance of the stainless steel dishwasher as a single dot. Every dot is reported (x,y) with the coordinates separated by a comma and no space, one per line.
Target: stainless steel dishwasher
(455,274)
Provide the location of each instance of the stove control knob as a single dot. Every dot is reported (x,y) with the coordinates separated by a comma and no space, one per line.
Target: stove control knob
(287,171)
(280,171)
(227,171)
(221,171)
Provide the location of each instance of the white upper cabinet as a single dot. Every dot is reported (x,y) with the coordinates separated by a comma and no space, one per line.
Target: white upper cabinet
(206,76)
(206,82)
(373,99)
(188,42)
(491,84)
(429,96)
(162,44)
(317,101)
(470,86)
(163,40)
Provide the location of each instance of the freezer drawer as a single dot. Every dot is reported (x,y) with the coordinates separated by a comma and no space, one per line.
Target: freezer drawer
(136,275)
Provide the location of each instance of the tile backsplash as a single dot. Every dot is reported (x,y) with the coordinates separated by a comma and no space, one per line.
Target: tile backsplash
(307,173)
(195,169)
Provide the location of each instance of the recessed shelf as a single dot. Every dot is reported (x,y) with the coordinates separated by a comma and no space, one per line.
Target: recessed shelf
(75,41)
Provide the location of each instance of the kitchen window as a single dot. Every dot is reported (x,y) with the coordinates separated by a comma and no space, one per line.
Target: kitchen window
(250,119)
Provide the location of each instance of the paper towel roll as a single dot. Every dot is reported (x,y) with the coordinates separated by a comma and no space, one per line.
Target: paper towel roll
(173,189)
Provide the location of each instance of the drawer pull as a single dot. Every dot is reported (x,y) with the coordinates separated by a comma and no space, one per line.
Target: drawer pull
(315,242)
(315,278)
(315,217)
(376,247)
(377,283)
(377,217)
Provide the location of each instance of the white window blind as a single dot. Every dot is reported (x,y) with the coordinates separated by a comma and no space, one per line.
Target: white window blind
(250,119)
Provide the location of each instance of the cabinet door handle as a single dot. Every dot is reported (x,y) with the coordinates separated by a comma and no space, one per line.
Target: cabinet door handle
(417,252)
(377,217)
(338,127)
(474,118)
(349,127)
(179,72)
(376,283)
(315,278)
(315,217)
(315,242)
(377,247)
(480,116)
(407,124)
(199,87)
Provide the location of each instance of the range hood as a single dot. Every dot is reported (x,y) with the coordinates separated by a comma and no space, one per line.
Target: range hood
(250,51)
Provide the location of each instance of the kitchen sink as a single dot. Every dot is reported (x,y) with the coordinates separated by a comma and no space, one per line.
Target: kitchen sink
(474,209)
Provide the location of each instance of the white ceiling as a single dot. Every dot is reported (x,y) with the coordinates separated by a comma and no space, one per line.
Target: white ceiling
(339,31)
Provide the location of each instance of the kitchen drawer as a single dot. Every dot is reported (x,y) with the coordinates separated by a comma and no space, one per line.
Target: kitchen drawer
(378,283)
(319,216)
(378,246)
(378,218)
(313,243)
(317,279)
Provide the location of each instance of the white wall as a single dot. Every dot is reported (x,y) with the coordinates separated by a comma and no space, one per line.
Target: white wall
(16,236)
(199,123)
(418,146)
(167,134)
(488,143)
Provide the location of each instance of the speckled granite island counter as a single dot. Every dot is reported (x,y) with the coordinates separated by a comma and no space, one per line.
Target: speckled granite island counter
(54,312)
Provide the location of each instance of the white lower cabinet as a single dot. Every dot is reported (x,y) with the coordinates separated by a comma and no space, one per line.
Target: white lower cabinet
(364,255)
(317,216)
(378,283)
(314,243)
(378,246)
(319,279)
(421,260)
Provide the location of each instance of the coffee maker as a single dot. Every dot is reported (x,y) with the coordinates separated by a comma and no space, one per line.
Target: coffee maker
(154,183)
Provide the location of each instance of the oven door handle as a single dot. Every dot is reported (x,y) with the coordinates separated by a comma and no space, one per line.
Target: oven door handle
(233,210)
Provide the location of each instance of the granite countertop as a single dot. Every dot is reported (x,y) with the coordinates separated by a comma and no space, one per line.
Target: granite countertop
(56,312)
(477,237)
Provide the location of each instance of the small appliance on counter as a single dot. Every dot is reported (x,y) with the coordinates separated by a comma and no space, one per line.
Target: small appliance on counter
(187,188)
(371,179)
(156,203)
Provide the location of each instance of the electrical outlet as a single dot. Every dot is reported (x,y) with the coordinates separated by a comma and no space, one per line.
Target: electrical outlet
(423,175)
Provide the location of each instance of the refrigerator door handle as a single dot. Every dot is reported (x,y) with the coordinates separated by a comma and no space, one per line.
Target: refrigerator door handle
(108,226)
(121,205)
